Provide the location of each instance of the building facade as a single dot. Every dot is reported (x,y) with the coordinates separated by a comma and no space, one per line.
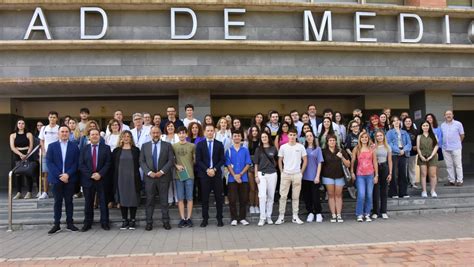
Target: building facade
(237,57)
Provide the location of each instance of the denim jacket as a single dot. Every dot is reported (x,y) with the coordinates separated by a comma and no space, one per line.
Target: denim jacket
(392,140)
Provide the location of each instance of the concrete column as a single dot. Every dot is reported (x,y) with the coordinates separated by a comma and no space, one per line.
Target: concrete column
(201,99)
(8,116)
(430,101)
(436,102)
(426,3)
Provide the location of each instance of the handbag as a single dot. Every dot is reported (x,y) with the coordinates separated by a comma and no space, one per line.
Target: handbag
(26,167)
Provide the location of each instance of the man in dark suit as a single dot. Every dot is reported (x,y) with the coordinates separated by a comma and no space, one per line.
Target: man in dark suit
(94,164)
(62,159)
(157,161)
(209,160)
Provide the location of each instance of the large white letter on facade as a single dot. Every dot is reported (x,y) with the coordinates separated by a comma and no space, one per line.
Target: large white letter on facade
(358,27)
(175,10)
(446,30)
(470,32)
(42,27)
(318,35)
(228,23)
(401,28)
(105,23)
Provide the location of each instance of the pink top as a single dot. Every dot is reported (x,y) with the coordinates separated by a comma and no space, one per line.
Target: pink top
(365,164)
(283,139)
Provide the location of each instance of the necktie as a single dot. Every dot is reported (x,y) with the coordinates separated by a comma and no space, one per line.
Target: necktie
(155,155)
(94,158)
(209,148)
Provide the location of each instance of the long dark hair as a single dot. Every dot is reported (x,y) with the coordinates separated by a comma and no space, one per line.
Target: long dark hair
(435,121)
(280,130)
(250,137)
(412,128)
(253,122)
(315,144)
(16,126)
(430,133)
(302,131)
(330,132)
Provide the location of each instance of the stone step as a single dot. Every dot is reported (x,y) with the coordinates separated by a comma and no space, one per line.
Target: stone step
(48,203)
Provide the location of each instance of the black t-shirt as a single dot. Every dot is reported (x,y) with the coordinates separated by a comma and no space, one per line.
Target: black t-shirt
(263,161)
(351,140)
(332,165)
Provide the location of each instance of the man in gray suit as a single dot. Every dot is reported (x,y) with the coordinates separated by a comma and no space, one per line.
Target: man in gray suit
(157,161)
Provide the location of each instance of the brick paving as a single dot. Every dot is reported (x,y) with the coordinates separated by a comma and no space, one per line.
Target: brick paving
(454,252)
(430,239)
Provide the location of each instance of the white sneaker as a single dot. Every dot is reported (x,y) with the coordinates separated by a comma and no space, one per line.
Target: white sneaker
(339,218)
(360,218)
(44,196)
(374,216)
(415,186)
(395,197)
(38,195)
(257,210)
(252,210)
(17,196)
(233,223)
(310,217)
(280,220)
(28,195)
(244,222)
(433,194)
(319,218)
(296,220)
(269,220)
(384,216)
(407,196)
(261,222)
(424,194)
(367,218)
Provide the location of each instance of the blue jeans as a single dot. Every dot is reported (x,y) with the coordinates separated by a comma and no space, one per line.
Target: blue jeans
(365,188)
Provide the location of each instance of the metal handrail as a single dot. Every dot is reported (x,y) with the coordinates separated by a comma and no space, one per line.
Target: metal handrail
(10,188)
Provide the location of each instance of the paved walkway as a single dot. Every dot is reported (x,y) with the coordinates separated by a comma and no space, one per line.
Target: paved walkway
(98,243)
(408,253)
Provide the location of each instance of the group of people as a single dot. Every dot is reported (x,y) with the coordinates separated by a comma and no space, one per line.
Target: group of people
(184,160)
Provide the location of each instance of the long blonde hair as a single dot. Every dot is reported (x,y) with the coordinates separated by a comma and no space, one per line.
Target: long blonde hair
(122,134)
(218,126)
(76,132)
(384,142)
(358,148)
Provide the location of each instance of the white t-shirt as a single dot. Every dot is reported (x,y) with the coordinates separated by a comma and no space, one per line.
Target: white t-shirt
(49,135)
(112,140)
(292,157)
(186,121)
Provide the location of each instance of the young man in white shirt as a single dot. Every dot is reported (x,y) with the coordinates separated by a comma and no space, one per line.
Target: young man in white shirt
(290,157)
(189,109)
(295,117)
(48,134)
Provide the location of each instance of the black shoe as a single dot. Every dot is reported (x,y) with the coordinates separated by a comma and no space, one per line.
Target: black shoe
(125,225)
(149,227)
(167,226)
(189,223)
(220,223)
(182,223)
(86,228)
(72,228)
(54,230)
(131,225)
(203,223)
(105,226)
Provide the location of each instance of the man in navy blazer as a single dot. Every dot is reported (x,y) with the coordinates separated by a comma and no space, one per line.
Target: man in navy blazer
(62,160)
(94,165)
(210,173)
